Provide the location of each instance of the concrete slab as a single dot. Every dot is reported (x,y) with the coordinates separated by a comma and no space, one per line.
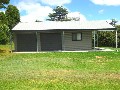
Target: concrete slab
(93,50)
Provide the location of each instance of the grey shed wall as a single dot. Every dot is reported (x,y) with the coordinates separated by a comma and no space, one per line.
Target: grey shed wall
(32,41)
(84,44)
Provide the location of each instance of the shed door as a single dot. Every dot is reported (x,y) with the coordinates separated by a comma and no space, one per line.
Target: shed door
(51,41)
(26,42)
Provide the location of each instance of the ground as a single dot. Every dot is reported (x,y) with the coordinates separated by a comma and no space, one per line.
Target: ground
(60,71)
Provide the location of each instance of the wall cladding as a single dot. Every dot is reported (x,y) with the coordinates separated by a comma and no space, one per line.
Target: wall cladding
(84,44)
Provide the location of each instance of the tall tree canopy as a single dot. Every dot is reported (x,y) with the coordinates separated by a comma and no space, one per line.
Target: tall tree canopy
(3,19)
(13,16)
(7,20)
(59,14)
(3,3)
(113,22)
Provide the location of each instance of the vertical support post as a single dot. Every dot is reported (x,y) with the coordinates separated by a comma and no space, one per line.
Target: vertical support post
(15,42)
(10,42)
(97,38)
(63,46)
(116,39)
(94,39)
(37,40)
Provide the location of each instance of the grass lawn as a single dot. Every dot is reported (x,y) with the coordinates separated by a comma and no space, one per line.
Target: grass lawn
(60,71)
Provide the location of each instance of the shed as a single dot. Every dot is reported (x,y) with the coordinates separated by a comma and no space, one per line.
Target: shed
(57,36)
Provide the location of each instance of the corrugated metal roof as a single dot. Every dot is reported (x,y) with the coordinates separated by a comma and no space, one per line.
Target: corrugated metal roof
(66,25)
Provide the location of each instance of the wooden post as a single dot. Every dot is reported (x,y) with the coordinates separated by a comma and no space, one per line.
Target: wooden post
(10,42)
(116,39)
(97,38)
(37,41)
(94,39)
(63,46)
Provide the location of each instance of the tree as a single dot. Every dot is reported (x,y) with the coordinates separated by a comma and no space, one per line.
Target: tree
(118,29)
(4,29)
(7,20)
(13,16)
(3,19)
(38,21)
(59,14)
(106,39)
(3,3)
(4,34)
(113,22)
(75,18)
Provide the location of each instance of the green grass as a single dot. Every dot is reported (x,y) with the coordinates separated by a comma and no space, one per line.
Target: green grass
(60,71)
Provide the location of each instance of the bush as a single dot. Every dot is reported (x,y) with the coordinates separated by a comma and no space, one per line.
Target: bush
(4,34)
(106,39)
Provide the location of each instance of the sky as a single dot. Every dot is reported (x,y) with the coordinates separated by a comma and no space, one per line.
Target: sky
(86,10)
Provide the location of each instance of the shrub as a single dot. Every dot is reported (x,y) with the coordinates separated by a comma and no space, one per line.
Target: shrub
(4,34)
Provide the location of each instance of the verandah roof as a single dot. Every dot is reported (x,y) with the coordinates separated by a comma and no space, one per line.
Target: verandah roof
(65,25)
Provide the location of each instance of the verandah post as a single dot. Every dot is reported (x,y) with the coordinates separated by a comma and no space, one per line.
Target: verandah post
(37,40)
(97,38)
(63,46)
(116,39)
(94,39)
(10,42)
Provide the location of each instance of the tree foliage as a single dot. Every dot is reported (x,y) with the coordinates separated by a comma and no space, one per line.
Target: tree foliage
(4,34)
(3,19)
(3,3)
(7,20)
(13,16)
(118,29)
(59,14)
(75,18)
(106,39)
(113,22)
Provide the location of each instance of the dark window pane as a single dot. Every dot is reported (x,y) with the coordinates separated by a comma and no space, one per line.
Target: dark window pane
(74,36)
(77,36)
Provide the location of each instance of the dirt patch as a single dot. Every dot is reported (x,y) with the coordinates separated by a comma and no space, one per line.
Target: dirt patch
(4,51)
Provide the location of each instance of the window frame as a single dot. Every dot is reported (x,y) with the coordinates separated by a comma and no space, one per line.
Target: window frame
(76,37)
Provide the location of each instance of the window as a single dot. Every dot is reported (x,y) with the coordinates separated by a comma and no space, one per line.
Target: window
(77,36)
